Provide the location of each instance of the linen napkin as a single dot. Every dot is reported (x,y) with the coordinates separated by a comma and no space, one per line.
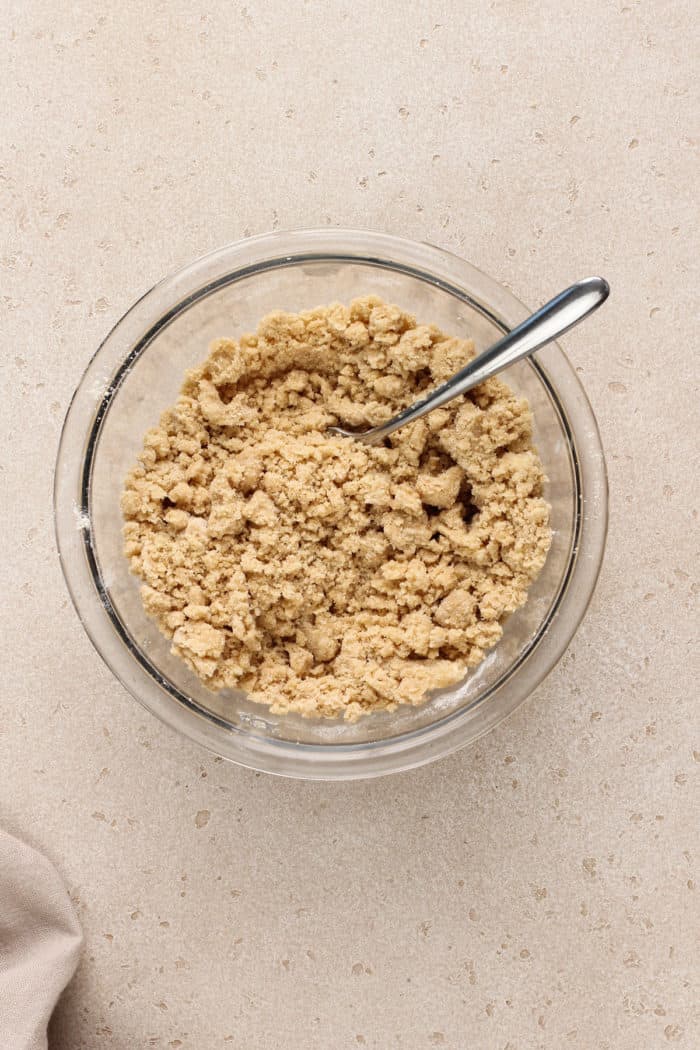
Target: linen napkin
(39,944)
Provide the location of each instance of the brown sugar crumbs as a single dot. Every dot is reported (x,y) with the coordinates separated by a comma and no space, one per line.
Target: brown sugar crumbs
(320,575)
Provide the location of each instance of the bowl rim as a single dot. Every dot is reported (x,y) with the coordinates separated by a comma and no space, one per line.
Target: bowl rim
(92,398)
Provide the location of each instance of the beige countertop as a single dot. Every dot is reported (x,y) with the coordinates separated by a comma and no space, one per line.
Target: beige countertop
(537,890)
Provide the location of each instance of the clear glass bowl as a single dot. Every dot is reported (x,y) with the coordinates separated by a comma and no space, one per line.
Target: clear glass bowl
(137,372)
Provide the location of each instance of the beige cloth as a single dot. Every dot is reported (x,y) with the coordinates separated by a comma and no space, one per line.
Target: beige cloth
(39,944)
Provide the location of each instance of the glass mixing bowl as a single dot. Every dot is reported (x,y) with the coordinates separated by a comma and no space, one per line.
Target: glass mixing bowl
(137,372)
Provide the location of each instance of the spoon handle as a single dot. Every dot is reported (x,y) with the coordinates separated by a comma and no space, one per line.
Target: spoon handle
(549,322)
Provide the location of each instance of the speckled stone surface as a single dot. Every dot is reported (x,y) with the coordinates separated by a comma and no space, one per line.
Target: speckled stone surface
(539,889)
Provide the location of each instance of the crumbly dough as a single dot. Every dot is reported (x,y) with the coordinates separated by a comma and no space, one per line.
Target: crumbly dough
(323,576)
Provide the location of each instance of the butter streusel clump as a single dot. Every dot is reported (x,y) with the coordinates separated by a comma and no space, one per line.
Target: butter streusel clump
(320,575)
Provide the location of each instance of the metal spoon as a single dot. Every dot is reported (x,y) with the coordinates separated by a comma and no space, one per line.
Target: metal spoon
(549,322)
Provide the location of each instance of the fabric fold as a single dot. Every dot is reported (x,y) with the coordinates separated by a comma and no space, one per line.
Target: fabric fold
(40,940)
